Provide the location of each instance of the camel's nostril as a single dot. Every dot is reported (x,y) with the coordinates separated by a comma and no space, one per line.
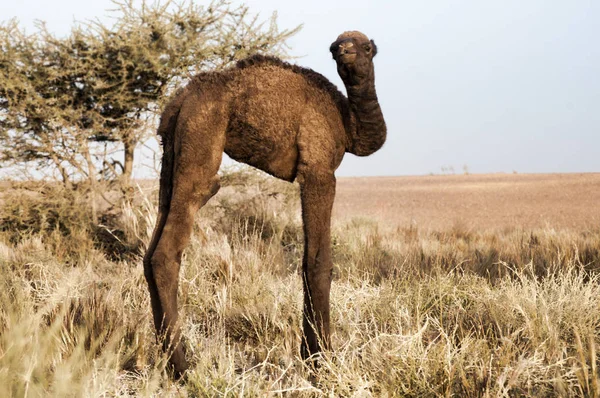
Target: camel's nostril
(346,48)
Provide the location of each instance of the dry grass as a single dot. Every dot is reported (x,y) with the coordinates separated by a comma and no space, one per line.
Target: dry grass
(454,312)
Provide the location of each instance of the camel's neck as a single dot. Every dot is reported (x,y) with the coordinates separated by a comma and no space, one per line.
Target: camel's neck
(368,131)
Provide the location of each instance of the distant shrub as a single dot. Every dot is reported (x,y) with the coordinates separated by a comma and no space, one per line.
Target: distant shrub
(61,217)
(65,220)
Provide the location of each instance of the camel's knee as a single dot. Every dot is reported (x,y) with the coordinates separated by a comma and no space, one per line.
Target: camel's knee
(193,195)
(318,259)
(319,271)
(206,194)
(319,279)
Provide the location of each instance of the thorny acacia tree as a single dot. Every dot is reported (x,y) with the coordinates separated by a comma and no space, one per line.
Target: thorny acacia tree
(76,104)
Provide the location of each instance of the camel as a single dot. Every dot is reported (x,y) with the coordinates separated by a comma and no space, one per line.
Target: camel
(288,121)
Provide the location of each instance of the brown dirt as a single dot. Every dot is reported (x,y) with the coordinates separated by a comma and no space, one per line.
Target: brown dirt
(489,201)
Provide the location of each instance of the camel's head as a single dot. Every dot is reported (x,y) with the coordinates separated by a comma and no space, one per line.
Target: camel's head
(353,52)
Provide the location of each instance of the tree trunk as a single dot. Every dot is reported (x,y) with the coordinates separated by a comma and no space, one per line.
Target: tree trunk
(92,175)
(128,161)
(63,172)
(129,147)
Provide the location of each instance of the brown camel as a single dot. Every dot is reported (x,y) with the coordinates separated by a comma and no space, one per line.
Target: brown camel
(288,121)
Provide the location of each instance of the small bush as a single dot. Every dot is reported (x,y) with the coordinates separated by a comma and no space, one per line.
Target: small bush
(61,217)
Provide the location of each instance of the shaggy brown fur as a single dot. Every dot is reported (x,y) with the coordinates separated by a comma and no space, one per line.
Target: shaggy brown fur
(286,120)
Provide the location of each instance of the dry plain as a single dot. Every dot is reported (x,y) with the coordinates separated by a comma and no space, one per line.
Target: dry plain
(473,201)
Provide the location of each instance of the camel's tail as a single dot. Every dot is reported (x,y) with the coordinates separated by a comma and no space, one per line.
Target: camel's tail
(166,131)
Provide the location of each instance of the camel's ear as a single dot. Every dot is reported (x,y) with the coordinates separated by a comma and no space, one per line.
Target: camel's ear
(373,48)
(333,48)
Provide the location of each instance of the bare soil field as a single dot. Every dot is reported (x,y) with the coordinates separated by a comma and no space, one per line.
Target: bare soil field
(485,201)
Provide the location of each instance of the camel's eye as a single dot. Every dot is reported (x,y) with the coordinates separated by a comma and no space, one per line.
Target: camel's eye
(368,48)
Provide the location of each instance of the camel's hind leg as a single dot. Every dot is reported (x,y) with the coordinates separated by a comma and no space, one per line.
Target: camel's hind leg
(195,181)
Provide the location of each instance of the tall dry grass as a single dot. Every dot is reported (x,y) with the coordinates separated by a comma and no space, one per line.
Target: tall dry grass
(416,313)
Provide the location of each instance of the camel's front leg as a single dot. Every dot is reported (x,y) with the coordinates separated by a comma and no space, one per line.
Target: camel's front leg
(317,193)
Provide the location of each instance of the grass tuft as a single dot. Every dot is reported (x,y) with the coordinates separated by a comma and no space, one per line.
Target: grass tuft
(416,313)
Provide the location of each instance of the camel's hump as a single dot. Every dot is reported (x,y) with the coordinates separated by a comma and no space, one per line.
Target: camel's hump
(310,75)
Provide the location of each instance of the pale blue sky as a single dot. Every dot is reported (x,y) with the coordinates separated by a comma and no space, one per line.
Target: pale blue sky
(498,86)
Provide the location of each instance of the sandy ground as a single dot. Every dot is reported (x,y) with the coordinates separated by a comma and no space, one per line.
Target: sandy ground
(486,201)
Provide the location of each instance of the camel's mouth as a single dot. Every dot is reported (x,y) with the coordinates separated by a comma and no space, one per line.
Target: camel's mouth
(347,58)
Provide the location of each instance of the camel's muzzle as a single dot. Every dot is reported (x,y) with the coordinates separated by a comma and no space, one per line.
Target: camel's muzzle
(347,52)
